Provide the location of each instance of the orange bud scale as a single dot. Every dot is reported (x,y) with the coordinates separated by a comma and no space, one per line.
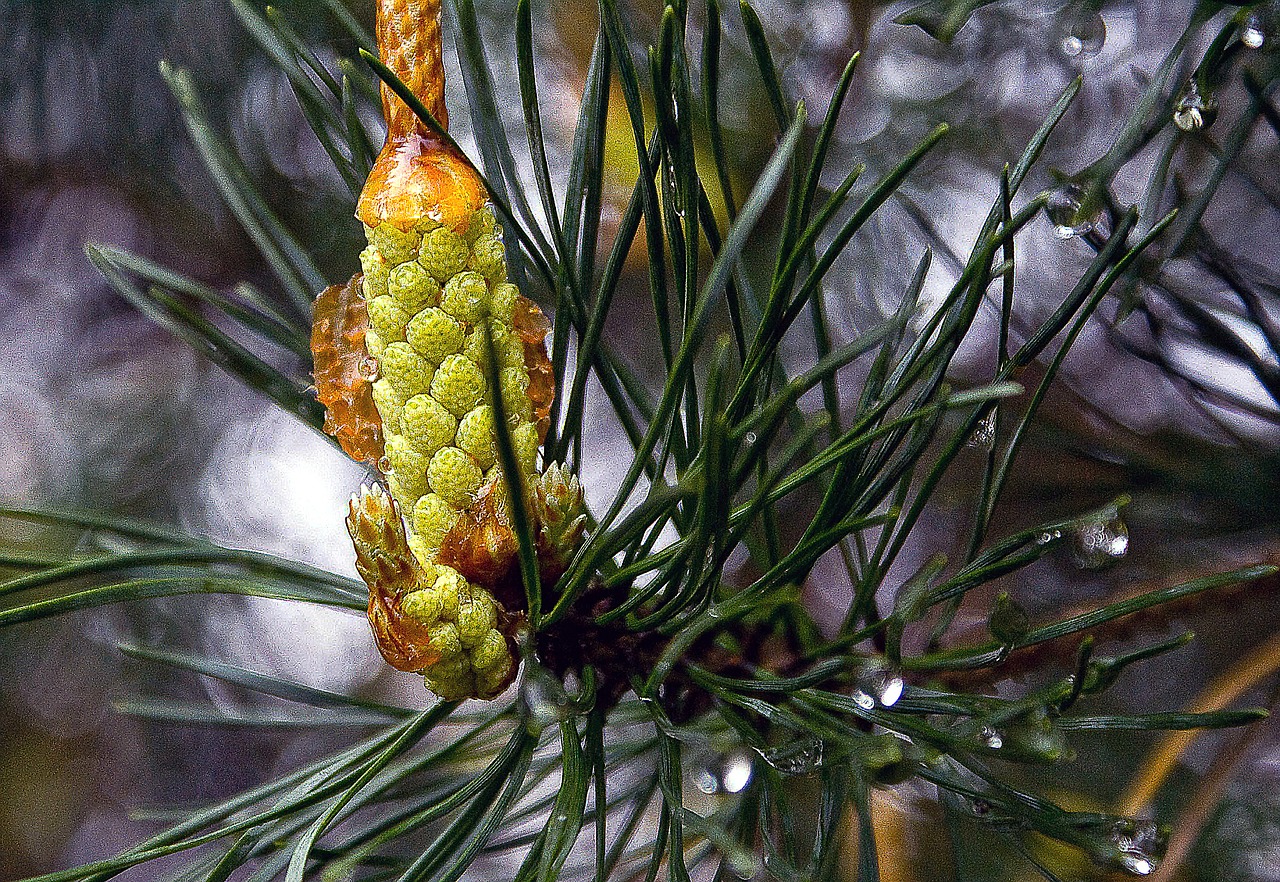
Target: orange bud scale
(342,368)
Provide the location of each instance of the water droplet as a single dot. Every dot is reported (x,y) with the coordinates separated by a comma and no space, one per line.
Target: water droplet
(368,368)
(984,433)
(1082,35)
(980,807)
(1193,110)
(751,437)
(715,778)
(542,698)
(736,771)
(1138,845)
(990,736)
(1252,33)
(883,686)
(891,690)
(1140,866)
(674,183)
(1048,536)
(802,756)
(1101,543)
(1069,216)
(384,464)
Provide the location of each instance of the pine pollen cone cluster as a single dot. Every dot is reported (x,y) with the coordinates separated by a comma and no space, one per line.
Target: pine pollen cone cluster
(402,367)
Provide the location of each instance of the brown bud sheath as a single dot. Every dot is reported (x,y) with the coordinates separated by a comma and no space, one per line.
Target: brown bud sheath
(343,368)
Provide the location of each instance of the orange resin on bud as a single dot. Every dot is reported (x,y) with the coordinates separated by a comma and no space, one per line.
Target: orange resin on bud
(419,178)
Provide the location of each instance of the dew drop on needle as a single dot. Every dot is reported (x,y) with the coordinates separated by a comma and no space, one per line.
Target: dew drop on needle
(1252,33)
(1082,35)
(1067,212)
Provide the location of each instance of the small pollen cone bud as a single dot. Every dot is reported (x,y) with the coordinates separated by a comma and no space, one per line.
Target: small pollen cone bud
(389,568)
(561,516)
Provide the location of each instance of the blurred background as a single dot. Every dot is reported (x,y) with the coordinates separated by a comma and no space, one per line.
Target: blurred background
(102,410)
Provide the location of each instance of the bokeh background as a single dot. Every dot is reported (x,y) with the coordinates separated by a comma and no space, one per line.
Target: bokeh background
(102,410)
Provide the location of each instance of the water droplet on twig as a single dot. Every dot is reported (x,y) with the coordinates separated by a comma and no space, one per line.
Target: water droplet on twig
(983,434)
(891,690)
(1048,536)
(543,698)
(736,771)
(803,756)
(1138,845)
(715,777)
(1194,110)
(878,685)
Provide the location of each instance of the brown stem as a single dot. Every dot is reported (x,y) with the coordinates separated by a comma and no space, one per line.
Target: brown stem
(409,43)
